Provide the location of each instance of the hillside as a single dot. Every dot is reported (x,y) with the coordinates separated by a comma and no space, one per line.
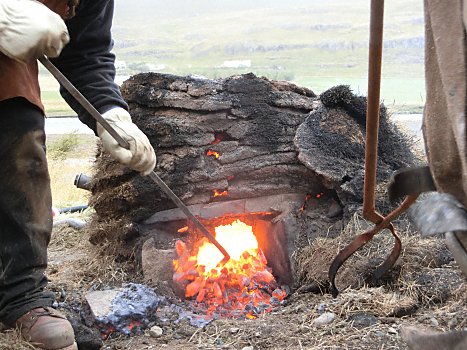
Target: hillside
(314,43)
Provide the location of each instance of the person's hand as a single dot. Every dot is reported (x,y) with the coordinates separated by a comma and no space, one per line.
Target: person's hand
(29,30)
(141,156)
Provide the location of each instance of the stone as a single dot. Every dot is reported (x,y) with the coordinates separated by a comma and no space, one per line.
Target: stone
(362,320)
(321,308)
(100,301)
(279,203)
(120,307)
(434,322)
(156,332)
(324,319)
(157,263)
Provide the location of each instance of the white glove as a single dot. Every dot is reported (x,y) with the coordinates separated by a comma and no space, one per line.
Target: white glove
(29,30)
(141,156)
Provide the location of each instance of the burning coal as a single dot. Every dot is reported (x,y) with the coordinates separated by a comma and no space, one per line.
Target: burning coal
(211,153)
(244,286)
(220,193)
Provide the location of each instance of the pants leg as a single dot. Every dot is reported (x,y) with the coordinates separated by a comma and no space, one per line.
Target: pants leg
(25,210)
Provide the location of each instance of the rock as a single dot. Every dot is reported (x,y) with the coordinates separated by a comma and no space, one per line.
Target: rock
(321,308)
(362,320)
(435,285)
(325,318)
(120,307)
(100,301)
(234,330)
(453,322)
(155,332)
(157,263)
(434,322)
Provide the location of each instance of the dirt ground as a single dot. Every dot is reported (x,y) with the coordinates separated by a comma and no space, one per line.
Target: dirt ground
(365,318)
(428,291)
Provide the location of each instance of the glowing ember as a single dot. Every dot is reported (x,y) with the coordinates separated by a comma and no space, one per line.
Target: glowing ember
(183,229)
(213,153)
(244,284)
(310,196)
(217,193)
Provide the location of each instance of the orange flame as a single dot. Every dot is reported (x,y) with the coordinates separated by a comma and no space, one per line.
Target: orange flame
(215,154)
(243,283)
(217,193)
(183,229)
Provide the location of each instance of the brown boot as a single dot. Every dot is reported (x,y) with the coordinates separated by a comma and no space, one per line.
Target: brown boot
(47,329)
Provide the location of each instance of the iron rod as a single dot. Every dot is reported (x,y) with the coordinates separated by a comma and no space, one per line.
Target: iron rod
(372,114)
(122,142)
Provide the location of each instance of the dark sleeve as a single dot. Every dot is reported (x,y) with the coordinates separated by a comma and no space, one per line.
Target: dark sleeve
(87,62)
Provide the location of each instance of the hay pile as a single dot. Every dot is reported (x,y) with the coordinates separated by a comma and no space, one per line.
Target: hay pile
(412,283)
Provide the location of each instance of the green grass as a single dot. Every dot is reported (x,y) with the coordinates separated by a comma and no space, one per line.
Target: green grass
(53,101)
(62,147)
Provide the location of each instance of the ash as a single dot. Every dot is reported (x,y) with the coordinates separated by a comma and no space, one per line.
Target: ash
(132,310)
(195,319)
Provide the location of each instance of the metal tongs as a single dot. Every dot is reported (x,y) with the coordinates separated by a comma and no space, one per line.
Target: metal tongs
(371,157)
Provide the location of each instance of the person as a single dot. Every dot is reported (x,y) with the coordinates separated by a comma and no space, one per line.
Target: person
(77,34)
(444,119)
(444,130)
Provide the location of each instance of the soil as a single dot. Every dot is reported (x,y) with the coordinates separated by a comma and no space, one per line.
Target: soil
(429,292)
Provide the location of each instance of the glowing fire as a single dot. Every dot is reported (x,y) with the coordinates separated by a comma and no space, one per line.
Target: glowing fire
(215,154)
(217,193)
(244,284)
(310,196)
(183,229)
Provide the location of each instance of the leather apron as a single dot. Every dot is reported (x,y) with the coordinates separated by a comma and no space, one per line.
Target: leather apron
(20,79)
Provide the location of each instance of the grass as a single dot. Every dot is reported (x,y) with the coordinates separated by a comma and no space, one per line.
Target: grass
(68,156)
(53,101)
(63,146)
(10,340)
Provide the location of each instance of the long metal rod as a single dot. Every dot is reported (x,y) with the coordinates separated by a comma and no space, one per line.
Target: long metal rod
(372,114)
(122,142)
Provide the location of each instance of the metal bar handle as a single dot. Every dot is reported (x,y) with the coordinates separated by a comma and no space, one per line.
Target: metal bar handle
(122,142)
